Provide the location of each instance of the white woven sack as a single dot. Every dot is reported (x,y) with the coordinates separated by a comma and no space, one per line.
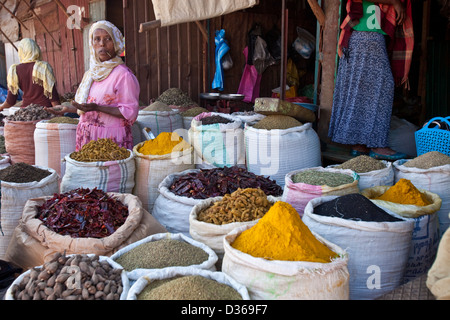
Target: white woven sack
(169,273)
(5,161)
(159,121)
(52,142)
(109,176)
(275,153)
(220,144)
(125,281)
(135,274)
(287,280)
(299,194)
(251,119)
(173,211)
(152,169)
(212,234)
(436,180)
(13,199)
(378,251)
(187,123)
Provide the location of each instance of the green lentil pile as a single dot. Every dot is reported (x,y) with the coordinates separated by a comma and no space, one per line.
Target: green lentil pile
(318,178)
(162,254)
(193,287)
(428,160)
(277,122)
(192,112)
(68,120)
(362,164)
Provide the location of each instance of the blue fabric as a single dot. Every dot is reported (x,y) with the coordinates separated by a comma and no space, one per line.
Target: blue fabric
(221,49)
(363,94)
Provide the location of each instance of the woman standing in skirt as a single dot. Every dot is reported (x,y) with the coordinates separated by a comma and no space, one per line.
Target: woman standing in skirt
(367,73)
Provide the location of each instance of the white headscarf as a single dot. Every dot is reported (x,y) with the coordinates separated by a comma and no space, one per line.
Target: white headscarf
(42,75)
(98,70)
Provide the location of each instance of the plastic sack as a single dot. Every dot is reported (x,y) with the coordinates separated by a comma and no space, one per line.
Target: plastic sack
(19,140)
(222,48)
(159,121)
(250,82)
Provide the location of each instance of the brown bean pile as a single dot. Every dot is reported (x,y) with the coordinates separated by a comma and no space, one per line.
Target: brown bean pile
(76,277)
(242,205)
(32,112)
(100,150)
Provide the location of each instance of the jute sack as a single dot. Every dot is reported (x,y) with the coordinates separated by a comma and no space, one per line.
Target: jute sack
(13,199)
(212,234)
(109,176)
(299,194)
(287,280)
(33,243)
(152,169)
(378,251)
(135,274)
(425,236)
(52,142)
(19,140)
(168,273)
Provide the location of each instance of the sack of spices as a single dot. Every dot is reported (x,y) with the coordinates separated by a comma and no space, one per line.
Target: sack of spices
(429,171)
(5,161)
(159,121)
(425,237)
(276,152)
(20,182)
(155,160)
(164,250)
(305,184)
(218,139)
(19,140)
(279,258)
(378,242)
(34,243)
(53,141)
(187,284)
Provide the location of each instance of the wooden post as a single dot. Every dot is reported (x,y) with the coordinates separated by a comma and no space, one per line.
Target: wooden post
(422,88)
(318,12)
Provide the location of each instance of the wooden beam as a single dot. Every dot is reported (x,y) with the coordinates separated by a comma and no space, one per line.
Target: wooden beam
(318,12)
(150,25)
(1,31)
(202,30)
(11,13)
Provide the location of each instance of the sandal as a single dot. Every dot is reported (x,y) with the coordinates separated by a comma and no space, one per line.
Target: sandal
(356,153)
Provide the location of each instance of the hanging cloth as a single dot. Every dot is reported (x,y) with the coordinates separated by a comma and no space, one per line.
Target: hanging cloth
(221,49)
(250,81)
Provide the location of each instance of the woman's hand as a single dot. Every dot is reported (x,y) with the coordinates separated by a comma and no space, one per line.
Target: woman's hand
(400,10)
(58,110)
(85,107)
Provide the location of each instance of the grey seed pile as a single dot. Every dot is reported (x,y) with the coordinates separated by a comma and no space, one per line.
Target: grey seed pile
(428,160)
(362,164)
(318,178)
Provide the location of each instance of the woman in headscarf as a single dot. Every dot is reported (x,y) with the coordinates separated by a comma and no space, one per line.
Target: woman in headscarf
(33,76)
(108,96)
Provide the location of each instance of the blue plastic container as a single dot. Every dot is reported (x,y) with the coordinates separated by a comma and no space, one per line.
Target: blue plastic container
(433,138)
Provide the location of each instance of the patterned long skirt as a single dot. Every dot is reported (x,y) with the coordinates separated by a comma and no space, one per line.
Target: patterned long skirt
(363,94)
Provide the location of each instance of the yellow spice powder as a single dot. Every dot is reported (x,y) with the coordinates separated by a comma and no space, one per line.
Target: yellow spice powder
(282,235)
(404,192)
(164,143)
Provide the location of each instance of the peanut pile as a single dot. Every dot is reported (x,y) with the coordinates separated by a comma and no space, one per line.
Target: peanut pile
(75,277)
(242,205)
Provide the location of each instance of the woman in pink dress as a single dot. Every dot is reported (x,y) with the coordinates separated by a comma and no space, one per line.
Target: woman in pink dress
(107,99)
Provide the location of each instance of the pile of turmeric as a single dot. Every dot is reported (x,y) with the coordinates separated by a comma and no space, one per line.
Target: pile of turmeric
(164,143)
(103,149)
(282,235)
(404,192)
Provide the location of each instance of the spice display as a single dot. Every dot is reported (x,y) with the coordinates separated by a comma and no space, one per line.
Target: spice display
(319,178)
(32,112)
(356,207)
(428,160)
(82,213)
(282,235)
(21,172)
(162,253)
(63,120)
(75,277)
(214,119)
(191,287)
(175,96)
(362,164)
(100,150)
(192,112)
(164,143)
(207,183)
(281,122)
(404,192)
(158,106)
(2,144)
(241,205)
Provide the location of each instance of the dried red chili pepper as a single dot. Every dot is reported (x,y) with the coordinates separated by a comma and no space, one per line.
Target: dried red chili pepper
(82,213)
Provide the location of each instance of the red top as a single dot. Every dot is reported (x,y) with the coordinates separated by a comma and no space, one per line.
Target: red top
(32,92)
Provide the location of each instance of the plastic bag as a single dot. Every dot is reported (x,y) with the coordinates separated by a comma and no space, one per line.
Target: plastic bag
(305,43)
(221,49)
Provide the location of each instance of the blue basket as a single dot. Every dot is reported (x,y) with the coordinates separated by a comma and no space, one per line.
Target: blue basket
(433,139)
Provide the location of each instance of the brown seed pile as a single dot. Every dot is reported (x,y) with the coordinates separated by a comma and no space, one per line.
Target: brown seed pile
(362,164)
(32,112)
(158,106)
(176,97)
(214,119)
(428,160)
(21,172)
(277,122)
(76,277)
(68,120)
(100,150)
(191,287)
(242,205)
(192,112)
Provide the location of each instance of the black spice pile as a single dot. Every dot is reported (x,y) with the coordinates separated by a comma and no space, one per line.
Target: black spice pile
(21,172)
(356,207)
(214,119)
